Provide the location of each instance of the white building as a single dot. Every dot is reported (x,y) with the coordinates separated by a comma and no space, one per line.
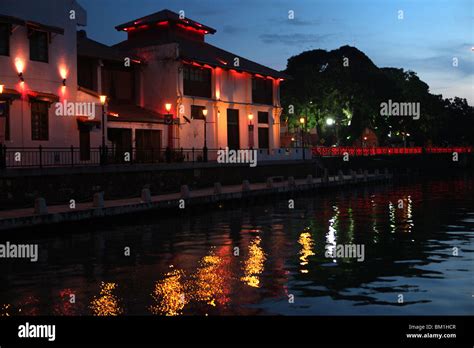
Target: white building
(182,71)
(38,68)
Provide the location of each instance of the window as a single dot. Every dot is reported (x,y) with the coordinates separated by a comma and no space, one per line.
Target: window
(5,115)
(262,91)
(39,46)
(262,117)
(39,120)
(4,39)
(196,112)
(84,143)
(197,81)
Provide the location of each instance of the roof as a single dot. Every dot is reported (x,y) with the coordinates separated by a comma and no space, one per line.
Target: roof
(127,112)
(164,16)
(204,53)
(31,24)
(89,48)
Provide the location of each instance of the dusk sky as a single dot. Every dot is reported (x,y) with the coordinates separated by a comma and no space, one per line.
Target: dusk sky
(426,40)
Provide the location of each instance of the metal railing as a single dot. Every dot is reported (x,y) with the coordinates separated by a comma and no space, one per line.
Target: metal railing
(42,157)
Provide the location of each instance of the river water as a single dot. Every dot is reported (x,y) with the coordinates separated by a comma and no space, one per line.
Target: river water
(262,259)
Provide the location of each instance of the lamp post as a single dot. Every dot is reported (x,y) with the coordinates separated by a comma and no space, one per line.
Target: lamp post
(250,117)
(331,122)
(302,123)
(169,121)
(103,99)
(204,150)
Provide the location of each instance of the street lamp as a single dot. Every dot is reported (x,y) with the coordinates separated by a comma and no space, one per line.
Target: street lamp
(331,122)
(103,99)
(250,117)
(1,89)
(204,114)
(302,123)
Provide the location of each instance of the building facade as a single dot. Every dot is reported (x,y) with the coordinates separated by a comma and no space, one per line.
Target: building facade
(38,60)
(214,98)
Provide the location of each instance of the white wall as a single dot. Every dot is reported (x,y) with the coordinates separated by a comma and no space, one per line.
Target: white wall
(43,77)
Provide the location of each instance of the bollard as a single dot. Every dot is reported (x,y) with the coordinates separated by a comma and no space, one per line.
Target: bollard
(146,195)
(340,175)
(185,192)
(309,179)
(98,200)
(217,188)
(269,183)
(245,186)
(326,175)
(40,206)
(291,181)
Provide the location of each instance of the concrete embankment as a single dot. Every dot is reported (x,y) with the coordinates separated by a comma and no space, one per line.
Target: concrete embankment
(98,207)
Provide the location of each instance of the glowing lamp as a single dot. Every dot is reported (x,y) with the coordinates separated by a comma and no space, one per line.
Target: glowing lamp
(103,99)
(168,107)
(1,89)
(19,65)
(365,138)
(329,121)
(302,120)
(250,116)
(204,112)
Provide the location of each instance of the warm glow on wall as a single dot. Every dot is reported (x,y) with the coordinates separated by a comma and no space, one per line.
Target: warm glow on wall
(63,72)
(19,65)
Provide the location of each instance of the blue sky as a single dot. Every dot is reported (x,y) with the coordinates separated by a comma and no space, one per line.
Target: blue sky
(430,35)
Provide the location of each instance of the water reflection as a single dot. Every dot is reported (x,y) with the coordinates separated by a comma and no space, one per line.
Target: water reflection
(282,251)
(169,294)
(107,304)
(306,242)
(254,265)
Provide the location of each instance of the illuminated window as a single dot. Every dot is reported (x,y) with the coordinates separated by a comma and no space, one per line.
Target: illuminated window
(262,91)
(39,120)
(4,39)
(197,81)
(39,46)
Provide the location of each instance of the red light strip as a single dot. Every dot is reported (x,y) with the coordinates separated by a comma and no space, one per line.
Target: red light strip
(374,151)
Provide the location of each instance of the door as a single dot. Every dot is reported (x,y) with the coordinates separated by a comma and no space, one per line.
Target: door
(263,138)
(233,135)
(148,143)
(121,139)
(84,143)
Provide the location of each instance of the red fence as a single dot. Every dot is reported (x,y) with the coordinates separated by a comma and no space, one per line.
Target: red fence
(388,151)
